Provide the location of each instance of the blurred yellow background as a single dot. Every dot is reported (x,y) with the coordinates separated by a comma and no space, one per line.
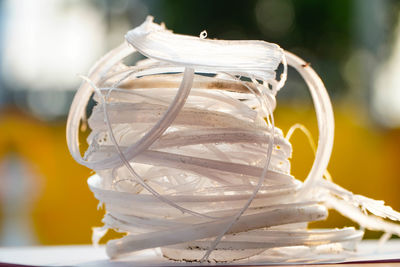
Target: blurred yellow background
(353,45)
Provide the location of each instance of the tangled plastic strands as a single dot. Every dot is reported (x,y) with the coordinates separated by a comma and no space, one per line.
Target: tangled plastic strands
(188,157)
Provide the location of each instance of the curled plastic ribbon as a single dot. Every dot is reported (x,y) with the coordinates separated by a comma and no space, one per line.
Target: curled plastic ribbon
(188,157)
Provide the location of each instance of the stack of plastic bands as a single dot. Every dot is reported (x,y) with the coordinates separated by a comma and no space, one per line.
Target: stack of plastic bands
(188,157)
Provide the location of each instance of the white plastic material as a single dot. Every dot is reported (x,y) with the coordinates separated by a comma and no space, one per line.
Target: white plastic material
(188,157)
(247,58)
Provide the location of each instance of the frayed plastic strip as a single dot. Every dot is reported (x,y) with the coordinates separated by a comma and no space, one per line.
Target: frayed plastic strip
(257,59)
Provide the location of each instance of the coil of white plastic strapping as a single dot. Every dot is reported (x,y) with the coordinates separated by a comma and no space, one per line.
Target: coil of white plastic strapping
(188,157)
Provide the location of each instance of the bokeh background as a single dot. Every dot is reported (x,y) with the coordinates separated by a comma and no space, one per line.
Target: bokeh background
(353,45)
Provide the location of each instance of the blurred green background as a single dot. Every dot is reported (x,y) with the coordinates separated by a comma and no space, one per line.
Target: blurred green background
(353,45)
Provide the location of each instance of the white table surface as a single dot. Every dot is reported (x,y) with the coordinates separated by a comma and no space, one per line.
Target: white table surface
(86,255)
